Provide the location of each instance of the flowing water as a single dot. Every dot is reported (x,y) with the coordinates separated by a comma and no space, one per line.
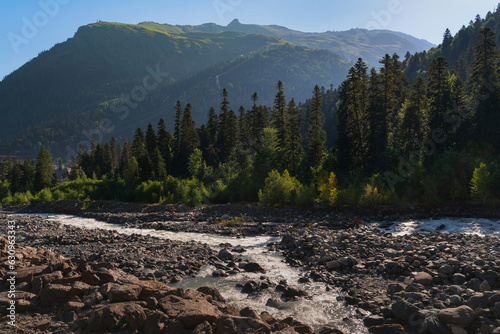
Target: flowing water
(320,308)
(477,226)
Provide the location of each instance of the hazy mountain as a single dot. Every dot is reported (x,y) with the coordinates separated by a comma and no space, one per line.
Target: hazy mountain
(65,93)
(371,45)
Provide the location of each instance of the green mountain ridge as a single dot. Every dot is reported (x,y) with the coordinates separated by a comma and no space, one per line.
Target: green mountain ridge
(371,45)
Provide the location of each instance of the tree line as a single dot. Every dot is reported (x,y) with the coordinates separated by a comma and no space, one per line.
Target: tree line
(379,138)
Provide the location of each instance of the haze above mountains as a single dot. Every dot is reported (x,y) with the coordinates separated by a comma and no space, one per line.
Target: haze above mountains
(129,75)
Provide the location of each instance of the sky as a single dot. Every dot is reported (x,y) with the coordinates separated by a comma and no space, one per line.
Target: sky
(28,27)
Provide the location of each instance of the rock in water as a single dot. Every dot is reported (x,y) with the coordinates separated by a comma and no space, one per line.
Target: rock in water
(253,267)
(224,254)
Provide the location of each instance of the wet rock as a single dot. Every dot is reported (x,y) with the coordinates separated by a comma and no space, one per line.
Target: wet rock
(387,329)
(330,330)
(249,313)
(235,325)
(219,273)
(373,320)
(250,287)
(213,293)
(238,249)
(224,254)
(291,292)
(253,267)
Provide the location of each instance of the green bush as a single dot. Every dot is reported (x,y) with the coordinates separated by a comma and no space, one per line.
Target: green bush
(22,198)
(327,188)
(481,184)
(279,189)
(44,195)
(347,196)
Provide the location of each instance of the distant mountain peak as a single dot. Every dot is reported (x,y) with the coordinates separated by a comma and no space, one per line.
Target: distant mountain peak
(234,22)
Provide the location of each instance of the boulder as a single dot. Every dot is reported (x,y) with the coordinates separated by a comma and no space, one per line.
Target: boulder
(224,254)
(203,328)
(155,322)
(40,281)
(460,316)
(189,312)
(253,267)
(330,330)
(423,278)
(236,325)
(121,293)
(387,329)
(54,294)
(446,269)
(114,316)
(458,279)
(212,292)
(404,310)
(332,265)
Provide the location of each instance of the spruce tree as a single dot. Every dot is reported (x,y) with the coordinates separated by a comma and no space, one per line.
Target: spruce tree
(278,115)
(293,148)
(377,118)
(159,169)
(316,136)
(28,177)
(189,141)
(228,131)
(210,152)
(164,143)
(486,88)
(439,95)
(357,114)
(44,170)
(177,126)
(151,140)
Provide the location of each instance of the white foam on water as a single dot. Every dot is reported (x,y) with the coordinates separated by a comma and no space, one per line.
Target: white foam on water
(478,226)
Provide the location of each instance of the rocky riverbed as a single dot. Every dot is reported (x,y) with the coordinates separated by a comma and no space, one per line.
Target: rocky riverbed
(421,283)
(106,282)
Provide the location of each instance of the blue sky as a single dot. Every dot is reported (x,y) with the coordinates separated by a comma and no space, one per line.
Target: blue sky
(28,27)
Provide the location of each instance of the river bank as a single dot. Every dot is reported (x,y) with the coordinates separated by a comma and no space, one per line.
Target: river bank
(421,283)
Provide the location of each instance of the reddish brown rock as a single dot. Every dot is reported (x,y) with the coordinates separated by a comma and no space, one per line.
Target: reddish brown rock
(121,293)
(189,312)
(114,316)
(54,294)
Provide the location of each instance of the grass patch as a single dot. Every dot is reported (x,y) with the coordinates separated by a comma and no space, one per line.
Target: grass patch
(235,221)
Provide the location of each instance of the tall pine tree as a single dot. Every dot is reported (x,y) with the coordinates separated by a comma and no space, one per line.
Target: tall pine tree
(316,136)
